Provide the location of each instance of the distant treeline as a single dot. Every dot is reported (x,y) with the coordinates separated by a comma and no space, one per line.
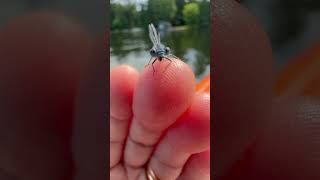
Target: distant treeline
(177,12)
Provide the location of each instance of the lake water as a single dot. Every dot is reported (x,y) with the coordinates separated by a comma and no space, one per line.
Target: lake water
(191,45)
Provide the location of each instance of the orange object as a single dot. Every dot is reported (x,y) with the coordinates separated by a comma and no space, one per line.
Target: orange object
(204,85)
(301,76)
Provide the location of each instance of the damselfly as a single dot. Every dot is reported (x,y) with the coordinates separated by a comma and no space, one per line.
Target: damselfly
(158,51)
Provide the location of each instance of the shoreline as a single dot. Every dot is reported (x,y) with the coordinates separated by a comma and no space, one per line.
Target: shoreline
(140,29)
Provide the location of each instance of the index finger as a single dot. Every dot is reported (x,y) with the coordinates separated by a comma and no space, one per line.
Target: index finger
(159,99)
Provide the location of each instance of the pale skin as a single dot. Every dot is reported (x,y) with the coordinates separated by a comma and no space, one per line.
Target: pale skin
(147,128)
(147,125)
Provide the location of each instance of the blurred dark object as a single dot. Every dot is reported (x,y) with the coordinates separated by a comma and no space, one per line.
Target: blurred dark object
(290,18)
(292,25)
(52,128)
(91,14)
(301,76)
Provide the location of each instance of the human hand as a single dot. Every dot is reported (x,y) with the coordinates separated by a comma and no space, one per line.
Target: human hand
(158,121)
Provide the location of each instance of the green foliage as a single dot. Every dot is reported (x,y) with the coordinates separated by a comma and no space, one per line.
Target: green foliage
(191,13)
(178,19)
(204,16)
(178,12)
(123,16)
(144,16)
(161,10)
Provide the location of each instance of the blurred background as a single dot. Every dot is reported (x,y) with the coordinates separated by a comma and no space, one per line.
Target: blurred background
(90,14)
(292,25)
(294,30)
(183,26)
(53,80)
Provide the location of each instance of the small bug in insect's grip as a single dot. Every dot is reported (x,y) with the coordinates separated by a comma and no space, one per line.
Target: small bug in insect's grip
(158,51)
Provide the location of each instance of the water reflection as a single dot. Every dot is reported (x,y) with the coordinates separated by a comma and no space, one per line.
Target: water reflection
(191,45)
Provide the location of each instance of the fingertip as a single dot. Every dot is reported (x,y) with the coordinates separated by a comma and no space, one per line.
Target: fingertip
(122,84)
(165,69)
(163,94)
(202,160)
(198,117)
(192,132)
(197,167)
(124,68)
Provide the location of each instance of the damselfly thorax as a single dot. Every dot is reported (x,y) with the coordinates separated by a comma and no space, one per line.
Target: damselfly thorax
(158,51)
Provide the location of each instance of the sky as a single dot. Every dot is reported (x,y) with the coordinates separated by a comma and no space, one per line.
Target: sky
(137,2)
(132,1)
(126,1)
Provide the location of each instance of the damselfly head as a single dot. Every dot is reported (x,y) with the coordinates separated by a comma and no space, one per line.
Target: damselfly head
(158,49)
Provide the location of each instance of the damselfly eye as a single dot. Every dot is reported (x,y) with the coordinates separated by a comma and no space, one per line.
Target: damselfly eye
(167,49)
(152,51)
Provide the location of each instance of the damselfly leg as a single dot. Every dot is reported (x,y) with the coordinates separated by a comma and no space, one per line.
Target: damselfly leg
(148,62)
(153,63)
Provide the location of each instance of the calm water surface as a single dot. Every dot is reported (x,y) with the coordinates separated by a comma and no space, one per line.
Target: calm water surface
(191,45)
